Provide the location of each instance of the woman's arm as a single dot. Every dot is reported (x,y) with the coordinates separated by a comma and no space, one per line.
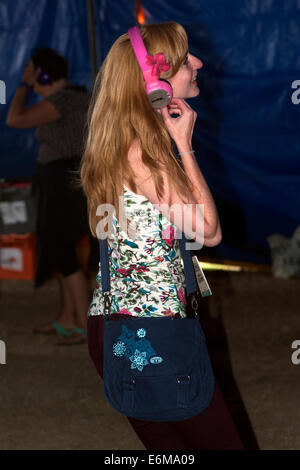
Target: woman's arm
(181,130)
(202,195)
(20,117)
(41,113)
(191,221)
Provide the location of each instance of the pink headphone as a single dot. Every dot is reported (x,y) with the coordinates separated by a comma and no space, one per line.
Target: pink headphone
(159,91)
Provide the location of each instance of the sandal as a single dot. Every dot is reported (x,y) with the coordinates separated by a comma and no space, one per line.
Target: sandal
(77,336)
(56,328)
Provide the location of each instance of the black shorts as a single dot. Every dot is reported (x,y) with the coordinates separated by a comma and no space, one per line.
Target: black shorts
(61,218)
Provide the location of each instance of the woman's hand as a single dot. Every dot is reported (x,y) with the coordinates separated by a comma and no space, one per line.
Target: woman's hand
(29,74)
(180,128)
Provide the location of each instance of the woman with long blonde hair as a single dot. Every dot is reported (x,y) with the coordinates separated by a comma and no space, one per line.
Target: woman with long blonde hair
(130,166)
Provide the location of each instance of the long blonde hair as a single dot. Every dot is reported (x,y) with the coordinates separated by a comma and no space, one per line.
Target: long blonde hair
(121,113)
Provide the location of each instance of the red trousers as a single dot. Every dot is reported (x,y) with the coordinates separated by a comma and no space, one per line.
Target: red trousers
(213,429)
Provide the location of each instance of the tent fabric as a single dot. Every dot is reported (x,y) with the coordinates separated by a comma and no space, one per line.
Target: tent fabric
(247,132)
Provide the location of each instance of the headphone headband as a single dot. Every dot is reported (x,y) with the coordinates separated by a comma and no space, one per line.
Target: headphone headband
(159,91)
(139,47)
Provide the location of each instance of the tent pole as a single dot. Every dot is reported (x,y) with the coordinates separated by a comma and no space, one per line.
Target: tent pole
(92,38)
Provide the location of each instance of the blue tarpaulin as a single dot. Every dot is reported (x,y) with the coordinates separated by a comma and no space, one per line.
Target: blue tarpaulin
(247,132)
(24,25)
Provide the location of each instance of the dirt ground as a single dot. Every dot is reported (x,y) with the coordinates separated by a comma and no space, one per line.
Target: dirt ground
(51,396)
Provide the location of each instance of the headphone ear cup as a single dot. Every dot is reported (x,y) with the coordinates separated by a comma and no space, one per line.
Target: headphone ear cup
(44,78)
(160,93)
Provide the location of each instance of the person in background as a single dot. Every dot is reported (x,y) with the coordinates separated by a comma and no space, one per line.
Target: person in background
(59,119)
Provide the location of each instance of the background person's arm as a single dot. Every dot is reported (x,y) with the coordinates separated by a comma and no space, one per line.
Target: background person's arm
(36,115)
(41,113)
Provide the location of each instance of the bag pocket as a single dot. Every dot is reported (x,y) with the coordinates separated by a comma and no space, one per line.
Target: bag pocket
(153,398)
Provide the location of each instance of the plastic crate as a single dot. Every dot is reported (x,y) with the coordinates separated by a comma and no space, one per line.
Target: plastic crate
(18,256)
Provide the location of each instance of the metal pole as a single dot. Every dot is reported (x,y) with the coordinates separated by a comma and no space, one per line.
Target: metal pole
(92,38)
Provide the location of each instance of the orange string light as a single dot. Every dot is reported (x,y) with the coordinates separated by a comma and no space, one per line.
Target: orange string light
(139,12)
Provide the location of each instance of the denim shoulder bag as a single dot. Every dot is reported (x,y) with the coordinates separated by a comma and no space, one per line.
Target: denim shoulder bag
(156,369)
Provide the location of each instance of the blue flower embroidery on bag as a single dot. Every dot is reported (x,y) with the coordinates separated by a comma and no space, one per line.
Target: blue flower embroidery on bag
(119,349)
(141,333)
(138,360)
(140,353)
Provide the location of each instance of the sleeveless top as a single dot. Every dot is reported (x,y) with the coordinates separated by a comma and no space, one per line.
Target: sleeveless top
(146,271)
(64,137)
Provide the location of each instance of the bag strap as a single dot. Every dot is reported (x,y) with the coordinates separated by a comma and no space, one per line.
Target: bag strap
(105,277)
(191,282)
(190,278)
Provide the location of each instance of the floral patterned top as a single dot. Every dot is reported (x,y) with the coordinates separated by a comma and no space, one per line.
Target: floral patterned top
(146,271)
